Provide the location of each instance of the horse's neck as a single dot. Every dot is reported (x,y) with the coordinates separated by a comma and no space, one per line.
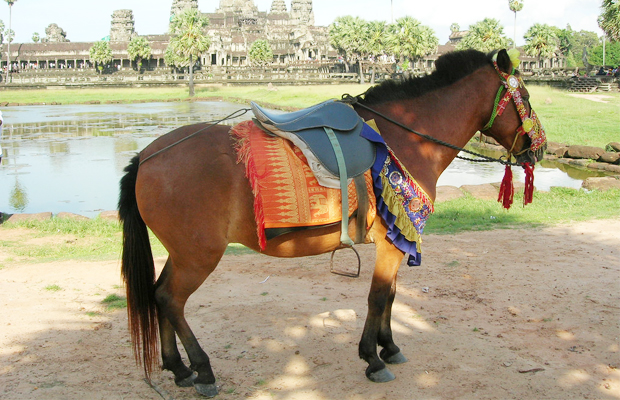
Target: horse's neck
(451,114)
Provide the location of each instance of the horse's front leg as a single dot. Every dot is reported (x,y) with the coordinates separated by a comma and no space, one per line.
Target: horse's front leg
(377,330)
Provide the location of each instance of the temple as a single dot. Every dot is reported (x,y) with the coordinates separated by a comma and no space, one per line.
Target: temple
(233,27)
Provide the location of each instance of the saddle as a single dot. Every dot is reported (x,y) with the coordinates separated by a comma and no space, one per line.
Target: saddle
(328,134)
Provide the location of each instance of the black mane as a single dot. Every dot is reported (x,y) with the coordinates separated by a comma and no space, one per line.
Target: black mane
(449,68)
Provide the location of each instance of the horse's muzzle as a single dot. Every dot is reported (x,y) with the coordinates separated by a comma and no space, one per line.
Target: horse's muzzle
(532,156)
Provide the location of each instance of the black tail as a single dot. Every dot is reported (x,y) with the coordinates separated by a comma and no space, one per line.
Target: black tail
(138,272)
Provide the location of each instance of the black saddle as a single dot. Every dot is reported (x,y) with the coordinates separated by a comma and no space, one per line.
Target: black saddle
(310,126)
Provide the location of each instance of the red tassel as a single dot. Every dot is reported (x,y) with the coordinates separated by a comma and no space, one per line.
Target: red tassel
(506,189)
(528,194)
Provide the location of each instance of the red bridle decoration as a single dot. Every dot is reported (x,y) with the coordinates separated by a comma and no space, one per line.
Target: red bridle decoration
(530,125)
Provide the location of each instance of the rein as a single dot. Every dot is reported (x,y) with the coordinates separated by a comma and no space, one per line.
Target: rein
(347,98)
(235,114)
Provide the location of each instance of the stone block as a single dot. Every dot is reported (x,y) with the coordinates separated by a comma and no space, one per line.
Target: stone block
(68,215)
(30,217)
(585,152)
(484,192)
(610,157)
(612,168)
(553,147)
(445,193)
(109,215)
(602,183)
(614,146)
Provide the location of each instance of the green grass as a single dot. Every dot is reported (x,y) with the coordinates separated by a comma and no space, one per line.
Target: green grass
(53,288)
(94,239)
(560,205)
(114,302)
(294,96)
(574,120)
(101,240)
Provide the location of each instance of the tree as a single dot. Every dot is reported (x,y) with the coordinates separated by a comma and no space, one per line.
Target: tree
(188,39)
(485,35)
(260,52)
(375,44)
(540,41)
(409,39)
(612,54)
(344,36)
(36,37)
(10,35)
(609,20)
(515,6)
(100,54)
(138,49)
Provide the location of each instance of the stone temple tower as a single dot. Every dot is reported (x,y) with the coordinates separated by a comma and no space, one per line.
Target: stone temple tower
(278,7)
(301,12)
(122,28)
(179,5)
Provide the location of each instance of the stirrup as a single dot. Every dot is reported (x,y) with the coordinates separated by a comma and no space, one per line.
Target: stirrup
(346,273)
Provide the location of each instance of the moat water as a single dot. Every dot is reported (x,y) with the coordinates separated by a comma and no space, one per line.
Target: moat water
(71,157)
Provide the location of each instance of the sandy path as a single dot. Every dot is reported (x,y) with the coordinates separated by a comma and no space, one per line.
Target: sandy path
(498,304)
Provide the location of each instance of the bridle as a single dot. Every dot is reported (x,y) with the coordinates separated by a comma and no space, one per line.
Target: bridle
(530,124)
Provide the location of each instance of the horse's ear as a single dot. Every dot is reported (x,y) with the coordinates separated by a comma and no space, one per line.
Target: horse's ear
(503,61)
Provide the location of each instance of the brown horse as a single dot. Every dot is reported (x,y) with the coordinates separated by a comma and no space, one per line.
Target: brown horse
(196,199)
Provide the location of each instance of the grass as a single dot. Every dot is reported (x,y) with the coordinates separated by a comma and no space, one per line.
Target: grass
(294,96)
(560,205)
(566,119)
(94,239)
(572,120)
(53,288)
(114,302)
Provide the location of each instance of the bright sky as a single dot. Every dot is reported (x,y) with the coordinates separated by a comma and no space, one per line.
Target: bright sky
(89,20)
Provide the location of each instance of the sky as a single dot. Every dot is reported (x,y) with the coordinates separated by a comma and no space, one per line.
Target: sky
(89,20)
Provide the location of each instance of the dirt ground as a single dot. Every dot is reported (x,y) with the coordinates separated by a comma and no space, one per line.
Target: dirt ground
(504,314)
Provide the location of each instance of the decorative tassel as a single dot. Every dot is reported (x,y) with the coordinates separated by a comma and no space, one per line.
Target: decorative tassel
(506,189)
(528,194)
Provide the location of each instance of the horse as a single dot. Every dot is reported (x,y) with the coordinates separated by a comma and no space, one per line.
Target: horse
(190,190)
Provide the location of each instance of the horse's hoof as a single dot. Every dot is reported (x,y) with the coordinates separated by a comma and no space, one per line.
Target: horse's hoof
(397,358)
(207,390)
(187,382)
(381,376)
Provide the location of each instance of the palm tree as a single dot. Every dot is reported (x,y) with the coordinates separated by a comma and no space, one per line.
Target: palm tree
(345,35)
(409,39)
(540,41)
(188,39)
(609,20)
(260,52)
(9,40)
(485,35)
(101,54)
(138,49)
(375,43)
(515,5)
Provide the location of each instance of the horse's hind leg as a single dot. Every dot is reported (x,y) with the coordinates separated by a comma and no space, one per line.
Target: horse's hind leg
(183,376)
(174,287)
(377,330)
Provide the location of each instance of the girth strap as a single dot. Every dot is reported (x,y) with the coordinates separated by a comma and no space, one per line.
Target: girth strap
(342,171)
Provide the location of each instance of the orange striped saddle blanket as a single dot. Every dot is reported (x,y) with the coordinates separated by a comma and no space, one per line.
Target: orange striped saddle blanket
(286,193)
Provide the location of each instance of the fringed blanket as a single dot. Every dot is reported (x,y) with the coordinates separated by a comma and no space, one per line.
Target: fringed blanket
(286,193)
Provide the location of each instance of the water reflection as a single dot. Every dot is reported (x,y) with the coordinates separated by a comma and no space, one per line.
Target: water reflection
(70,158)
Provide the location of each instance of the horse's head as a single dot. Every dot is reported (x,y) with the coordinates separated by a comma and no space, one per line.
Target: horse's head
(513,122)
